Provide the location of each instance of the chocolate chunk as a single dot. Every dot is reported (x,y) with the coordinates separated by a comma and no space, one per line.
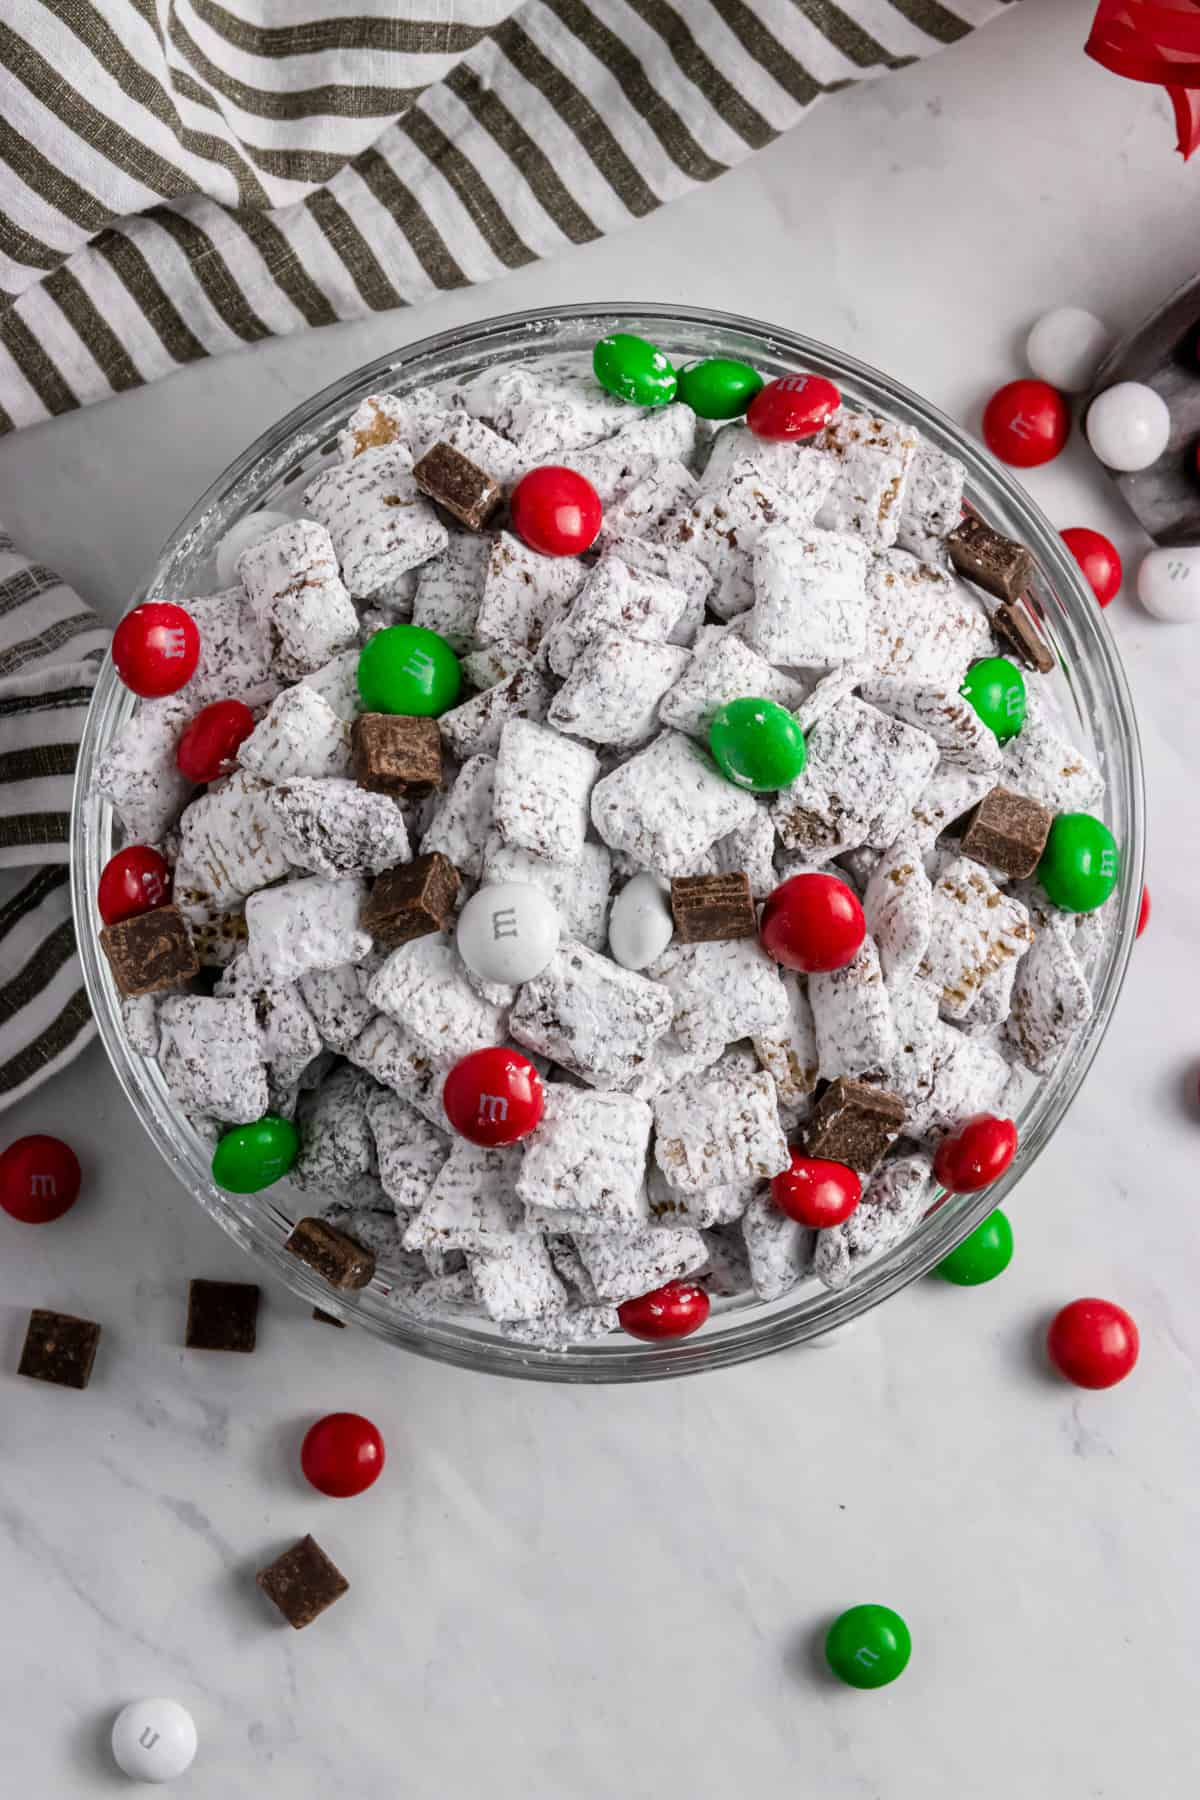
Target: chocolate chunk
(1007,831)
(412,900)
(458,484)
(325,1318)
(336,1258)
(999,564)
(1015,629)
(59,1348)
(712,908)
(302,1583)
(393,753)
(854,1123)
(222,1315)
(150,952)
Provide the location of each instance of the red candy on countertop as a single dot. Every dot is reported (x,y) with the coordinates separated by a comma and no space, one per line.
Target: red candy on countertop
(816,1192)
(155,649)
(674,1310)
(493,1097)
(1143,913)
(1094,1343)
(813,923)
(794,406)
(1026,423)
(39,1179)
(555,511)
(975,1153)
(209,745)
(135,880)
(342,1454)
(1097,557)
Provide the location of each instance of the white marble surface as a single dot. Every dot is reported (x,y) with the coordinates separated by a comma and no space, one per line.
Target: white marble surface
(573,1593)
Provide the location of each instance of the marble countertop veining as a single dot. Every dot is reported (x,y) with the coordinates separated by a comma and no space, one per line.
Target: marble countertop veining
(565,1592)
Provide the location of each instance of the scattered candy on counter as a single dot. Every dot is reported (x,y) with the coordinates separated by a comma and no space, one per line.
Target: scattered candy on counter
(1128,426)
(59,1348)
(815,1192)
(1093,1343)
(154,1740)
(155,649)
(222,1315)
(1168,584)
(757,744)
(634,370)
(135,880)
(508,932)
(995,688)
(674,1310)
(303,1583)
(718,387)
(40,1179)
(1081,864)
(208,746)
(493,1097)
(868,1646)
(975,1153)
(985,1253)
(342,1455)
(1026,423)
(793,407)
(1097,557)
(251,1157)
(640,925)
(814,923)
(556,511)
(1143,912)
(408,669)
(1066,348)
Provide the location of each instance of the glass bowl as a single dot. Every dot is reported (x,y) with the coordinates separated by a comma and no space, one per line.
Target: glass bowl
(1091,687)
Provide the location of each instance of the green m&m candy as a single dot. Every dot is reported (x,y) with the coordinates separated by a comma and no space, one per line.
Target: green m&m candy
(251,1157)
(982,1256)
(757,744)
(868,1646)
(407,669)
(634,370)
(718,387)
(995,687)
(1081,864)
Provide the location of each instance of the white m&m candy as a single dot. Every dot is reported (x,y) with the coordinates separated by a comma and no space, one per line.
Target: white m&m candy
(640,925)
(1066,348)
(251,530)
(508,932)
(154,1740)
(1168,584)
(1128,426)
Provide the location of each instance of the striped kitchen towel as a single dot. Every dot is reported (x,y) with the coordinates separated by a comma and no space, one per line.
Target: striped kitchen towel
(51,647)
(184,177)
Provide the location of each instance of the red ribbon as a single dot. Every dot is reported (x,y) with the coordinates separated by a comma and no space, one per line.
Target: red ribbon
(1159,44)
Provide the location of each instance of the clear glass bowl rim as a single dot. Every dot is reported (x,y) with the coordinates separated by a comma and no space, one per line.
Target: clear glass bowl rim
(1070,615)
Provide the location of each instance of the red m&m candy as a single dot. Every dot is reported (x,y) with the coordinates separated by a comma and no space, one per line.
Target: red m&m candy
(975,1153)
(674,1310)
(1143,912)
(1097,557)
(1094,1343)
(342,1454)
(39,1179)
(1026,423)
(209,745)
(493,1096)
(155,649)
(816,1192)
(814,923)
(555,511)
(794,406)
(135,880)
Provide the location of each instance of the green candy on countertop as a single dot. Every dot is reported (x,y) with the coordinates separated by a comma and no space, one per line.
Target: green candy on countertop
(1081,864)
(634,370)
(757,744)
(718,387)
(982,1256)
(410,670)
(995,688)
(868,1647)
(251,1157)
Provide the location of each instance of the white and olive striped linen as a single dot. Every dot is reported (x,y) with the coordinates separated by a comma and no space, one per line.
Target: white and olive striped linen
(180,178)
(51,646)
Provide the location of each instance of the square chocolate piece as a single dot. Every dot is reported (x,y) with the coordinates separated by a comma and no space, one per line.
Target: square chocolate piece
(59,1348)
(713,908)
(222,1315)
(150,952)
(393,753)
(302,1583)
(412,900)
(324,1318)
(1007,831)
(455,482)
(335,1257)
(999,564)
(1017,631)
(854,1123)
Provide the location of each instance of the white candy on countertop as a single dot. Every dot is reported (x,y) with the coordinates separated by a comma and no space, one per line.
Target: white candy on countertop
(154,1740)
(250,530)
(1168,583)
(508,932)
(1066,348)
(1128,426)
(640,925)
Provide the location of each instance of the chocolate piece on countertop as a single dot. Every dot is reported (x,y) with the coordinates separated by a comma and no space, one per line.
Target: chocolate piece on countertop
(394,754)
(1007,831)
(222,1315)
(150,952)
(999,564)
(302,1583)
(713,908)
(1017,631)
(59,1348)
(326,1318)
(455,482)
(411,900)
(854,1123)
(335,1257)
